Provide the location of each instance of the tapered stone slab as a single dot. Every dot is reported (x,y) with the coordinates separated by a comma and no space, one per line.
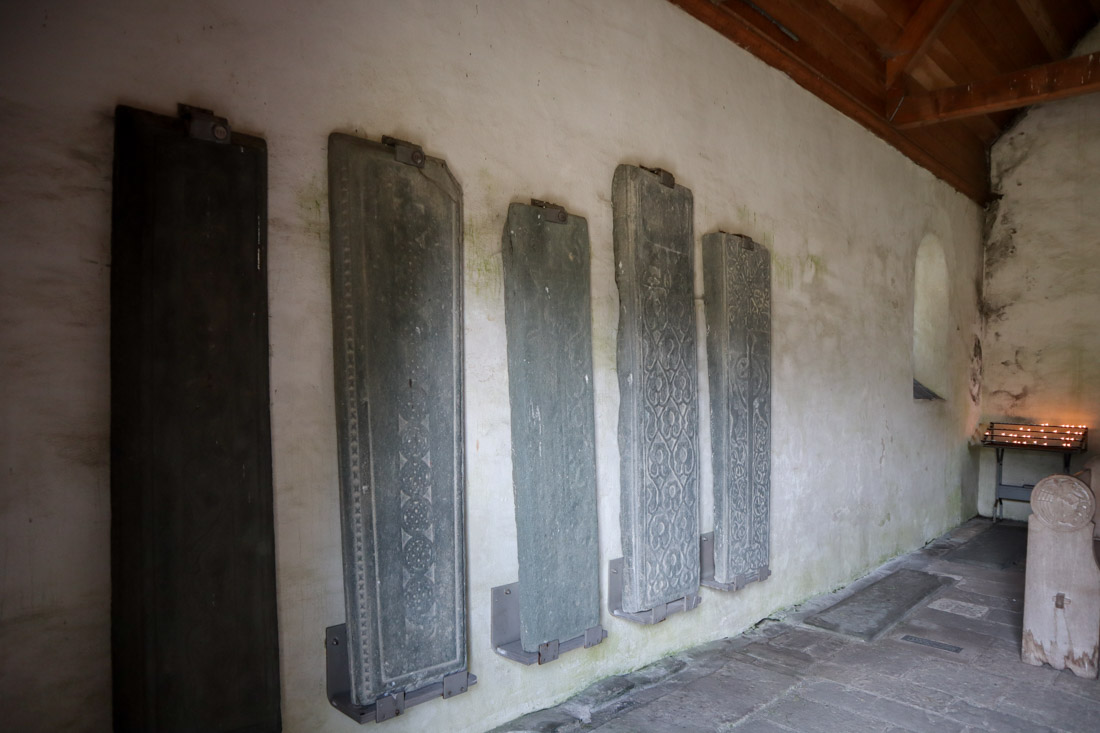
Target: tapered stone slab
(658,388)
(397,335)
(737,281)
(548,315)
(869,612)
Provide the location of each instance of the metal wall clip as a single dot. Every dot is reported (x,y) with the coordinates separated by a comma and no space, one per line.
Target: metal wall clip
(551,212)
(202,124)
(666,178)
(505,633)
(405,152)
(384,707)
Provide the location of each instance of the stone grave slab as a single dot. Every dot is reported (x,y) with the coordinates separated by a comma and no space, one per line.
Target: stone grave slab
(1001,546)
(396,223)
(548,315)
(737,282)
(869,612)
(658,388)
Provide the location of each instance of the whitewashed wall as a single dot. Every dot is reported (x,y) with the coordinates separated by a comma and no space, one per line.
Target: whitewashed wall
(523,99)
(1042,283)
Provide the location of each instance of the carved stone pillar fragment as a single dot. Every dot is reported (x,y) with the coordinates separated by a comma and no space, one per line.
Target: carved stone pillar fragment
(396,223)
(658,388)
(548,314)
(737,281)
(1062,587)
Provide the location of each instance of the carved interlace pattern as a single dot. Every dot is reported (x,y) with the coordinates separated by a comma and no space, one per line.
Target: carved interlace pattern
(666,559)
(744,506)
(402,562)
(669,420)
(418,555)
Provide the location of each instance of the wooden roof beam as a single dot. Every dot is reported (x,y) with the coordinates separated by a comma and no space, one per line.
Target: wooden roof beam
(1058,80)
(749,29)
(917,35)
(1039,19)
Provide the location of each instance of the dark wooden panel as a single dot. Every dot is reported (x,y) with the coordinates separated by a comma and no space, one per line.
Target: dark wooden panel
(397,329)
(194,634)
(548,313)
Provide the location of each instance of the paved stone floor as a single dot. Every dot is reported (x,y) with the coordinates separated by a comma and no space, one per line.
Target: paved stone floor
(784,675)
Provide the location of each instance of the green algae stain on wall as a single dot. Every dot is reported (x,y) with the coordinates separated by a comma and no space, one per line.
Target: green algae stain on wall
(483,234)
(312,200)
(805,269)
(783,267)
(485,273)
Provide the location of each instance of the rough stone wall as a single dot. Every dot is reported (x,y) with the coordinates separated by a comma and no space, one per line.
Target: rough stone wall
(1042,281)
(524,100)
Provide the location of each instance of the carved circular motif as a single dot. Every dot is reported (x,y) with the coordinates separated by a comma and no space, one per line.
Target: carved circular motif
(1063,502)
(415,477)
(418,553)
(416,515)
(419,597)
(414,441)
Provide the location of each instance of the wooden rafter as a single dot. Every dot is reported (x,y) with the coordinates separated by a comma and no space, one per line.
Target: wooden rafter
(1058,80)
(917,36)
(1039,19)
(828,78)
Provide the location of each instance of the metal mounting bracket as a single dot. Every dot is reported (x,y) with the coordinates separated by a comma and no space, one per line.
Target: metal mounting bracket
(666,178)
(706,568)
(202,124)
(551,212)
(655,615)
(505,635)
(405,152)
(338,683)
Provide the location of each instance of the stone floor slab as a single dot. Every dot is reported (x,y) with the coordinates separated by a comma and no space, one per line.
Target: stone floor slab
(889,711)
(1001,546)
(800,714)
(874,609)
(783,676)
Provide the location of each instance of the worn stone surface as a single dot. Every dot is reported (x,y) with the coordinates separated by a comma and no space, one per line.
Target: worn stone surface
(1090,475)
(783,676)
(397,335)
(553,720)
(876,608)
(1061,622)
(548,316)
(737,282)
(1000,546)
(658,389)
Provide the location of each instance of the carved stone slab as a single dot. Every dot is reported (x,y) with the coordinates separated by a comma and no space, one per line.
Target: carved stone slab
(658,388)
(397,337)
(1062,586)
(548,315)
(737,280)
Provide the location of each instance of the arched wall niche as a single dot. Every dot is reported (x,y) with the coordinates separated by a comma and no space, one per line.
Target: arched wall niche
(931,309)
